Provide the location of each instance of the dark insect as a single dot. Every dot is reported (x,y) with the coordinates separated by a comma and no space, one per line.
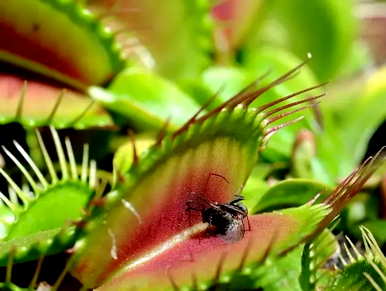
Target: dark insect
(224,219)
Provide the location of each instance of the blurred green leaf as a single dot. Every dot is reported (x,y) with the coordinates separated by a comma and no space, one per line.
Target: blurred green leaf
(123,157)
(302,154)
(227,81)
(290,192)
(325,28)
(222,81)
(178,34)
(281,273)
(146,99)
(377,228)
(349,124)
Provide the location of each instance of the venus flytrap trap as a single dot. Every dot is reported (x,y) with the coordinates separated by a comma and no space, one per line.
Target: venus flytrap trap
(211,260)
(159,196)
(184,149)
(375,257)
(63,195)
(361,268)
(317,255)
(33,104)
(44,34)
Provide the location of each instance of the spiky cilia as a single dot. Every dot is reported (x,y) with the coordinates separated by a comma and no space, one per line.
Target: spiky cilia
(64,196)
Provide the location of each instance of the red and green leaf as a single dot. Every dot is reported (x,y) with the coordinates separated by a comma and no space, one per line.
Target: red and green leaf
(185,259)
(175,170)
(35,103)
(39,41)
(212,260)
(164,180)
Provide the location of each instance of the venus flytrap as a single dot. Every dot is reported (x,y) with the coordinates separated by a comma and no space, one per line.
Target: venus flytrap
(189,149)
(360,268)
(44,33)
(272,234)
(141,234)
(26,230)
(158,234)
(35,103)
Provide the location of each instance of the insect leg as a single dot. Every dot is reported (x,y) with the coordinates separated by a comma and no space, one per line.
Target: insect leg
(249,224)
(208,180)
(243,229)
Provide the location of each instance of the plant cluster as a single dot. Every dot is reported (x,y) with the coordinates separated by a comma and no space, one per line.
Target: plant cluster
(178,144)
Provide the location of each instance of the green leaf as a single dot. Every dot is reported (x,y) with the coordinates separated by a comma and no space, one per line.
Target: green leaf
(290,192)
(56,197)
(226,81)
(352,277)
(124,156)
(11,287)
(256,186)
(349,127)
(281,273)
(146,99)
(377,228)
(324,28)
(223,82)
(303,152)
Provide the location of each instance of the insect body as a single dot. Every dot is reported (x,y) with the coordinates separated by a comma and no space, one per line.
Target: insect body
(224,219)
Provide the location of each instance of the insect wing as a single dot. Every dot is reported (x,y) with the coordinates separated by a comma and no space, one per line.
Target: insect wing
(198,203)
